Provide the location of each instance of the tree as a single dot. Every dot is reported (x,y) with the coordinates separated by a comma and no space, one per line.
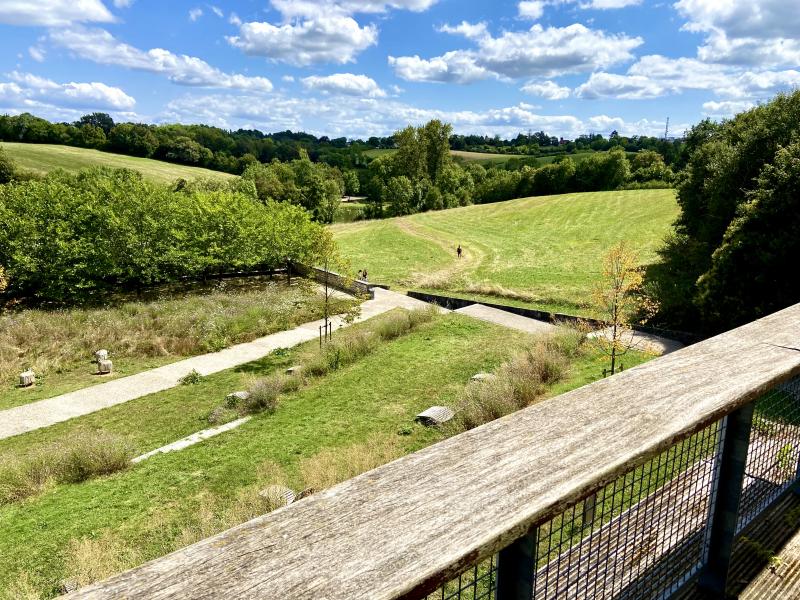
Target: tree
(97,119)
(750,271)
(8,169)
(616,297)
(400,194)
(722,196)
(351,183)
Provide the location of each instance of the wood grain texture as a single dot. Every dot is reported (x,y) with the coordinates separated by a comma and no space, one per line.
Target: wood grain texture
(400,530)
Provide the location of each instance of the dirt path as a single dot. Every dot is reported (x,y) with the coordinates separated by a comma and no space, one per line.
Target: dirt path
(471,258)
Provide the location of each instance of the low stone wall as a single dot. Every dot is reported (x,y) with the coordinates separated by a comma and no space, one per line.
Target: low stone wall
(356,287)
(452,303)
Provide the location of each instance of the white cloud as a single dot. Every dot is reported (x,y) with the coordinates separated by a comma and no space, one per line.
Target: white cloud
(745,32)
(28,90)
(537,52)
(312,8)
(468,30)
(655,75)
(452,67)
(317,31)
(101,47)
(549,90)
(531,9)
(333,39)
(288,78)
(726,108)
(123,3)
(37,53)
(53,13)
(217,11)
(345,83)
(234,19)
(609,4)
(195,14)
(364,117)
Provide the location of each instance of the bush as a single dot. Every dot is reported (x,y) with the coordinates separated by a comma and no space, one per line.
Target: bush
(519,382)
(264,395)
(193,377)
(83,457)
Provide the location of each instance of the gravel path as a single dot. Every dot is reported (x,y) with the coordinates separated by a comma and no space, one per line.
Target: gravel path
(44,413)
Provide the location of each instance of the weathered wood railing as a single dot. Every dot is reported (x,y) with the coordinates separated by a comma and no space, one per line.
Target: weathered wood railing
(628,487)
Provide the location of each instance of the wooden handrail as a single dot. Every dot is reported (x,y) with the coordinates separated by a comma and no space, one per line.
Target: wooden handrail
(403,529)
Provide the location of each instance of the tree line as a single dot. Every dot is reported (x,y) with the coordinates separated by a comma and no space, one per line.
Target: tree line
(735,248)
(234,151)
(422,175)
(69,237)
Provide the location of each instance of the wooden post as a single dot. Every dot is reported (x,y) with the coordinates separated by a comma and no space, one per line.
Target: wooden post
(516,568)
(726,492)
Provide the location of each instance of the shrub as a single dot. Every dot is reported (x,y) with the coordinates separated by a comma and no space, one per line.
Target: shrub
(83,457)
(519,382)
(264,395)
(193,377)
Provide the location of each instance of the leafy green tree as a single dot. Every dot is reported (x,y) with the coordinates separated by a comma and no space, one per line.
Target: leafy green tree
(97,119)
(751,272)
(8,169)
(132,138)
(351,184)
(729,168)
(400,196)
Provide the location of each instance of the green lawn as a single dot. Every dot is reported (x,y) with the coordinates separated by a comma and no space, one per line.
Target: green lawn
(43,158)
(362,413)
(544,252)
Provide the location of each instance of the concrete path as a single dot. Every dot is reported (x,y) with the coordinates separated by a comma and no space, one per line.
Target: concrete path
(644,342)
(507,319)
(193,439)
(44,413)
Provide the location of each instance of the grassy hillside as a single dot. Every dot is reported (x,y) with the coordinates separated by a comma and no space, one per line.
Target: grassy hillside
(545,251)
(327,431)
(43,158)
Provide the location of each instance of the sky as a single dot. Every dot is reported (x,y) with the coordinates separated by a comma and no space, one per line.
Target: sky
(359,68)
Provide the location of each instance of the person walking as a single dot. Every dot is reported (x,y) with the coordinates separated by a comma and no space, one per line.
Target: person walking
(364,275)
(459,251)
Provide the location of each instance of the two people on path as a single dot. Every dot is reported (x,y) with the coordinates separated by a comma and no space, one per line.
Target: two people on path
(362,275)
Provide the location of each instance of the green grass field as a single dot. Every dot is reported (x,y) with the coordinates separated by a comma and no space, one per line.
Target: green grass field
(544,252)
(42,158)
(336,427)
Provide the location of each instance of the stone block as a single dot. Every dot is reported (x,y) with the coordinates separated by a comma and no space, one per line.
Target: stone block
(100,355)
(483,377)
(295,370)
(104,367)
(277,494)
(233,400)
(27,379)
(435,415)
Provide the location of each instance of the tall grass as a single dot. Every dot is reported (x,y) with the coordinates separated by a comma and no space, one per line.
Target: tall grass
(70,461)
(50,341)
(519,382)
(334,465)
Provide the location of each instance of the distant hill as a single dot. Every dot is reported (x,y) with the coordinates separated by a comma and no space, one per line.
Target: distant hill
(488,159)
(43,158)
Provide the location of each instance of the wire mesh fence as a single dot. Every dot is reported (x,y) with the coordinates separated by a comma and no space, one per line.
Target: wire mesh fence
(645,534)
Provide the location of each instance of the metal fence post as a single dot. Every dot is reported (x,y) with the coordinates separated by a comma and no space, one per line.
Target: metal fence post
(516,568)
(725,496)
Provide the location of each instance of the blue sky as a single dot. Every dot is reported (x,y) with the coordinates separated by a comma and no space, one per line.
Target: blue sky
(368,67)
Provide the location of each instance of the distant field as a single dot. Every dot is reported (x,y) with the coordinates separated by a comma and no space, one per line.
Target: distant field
(43,158)
(467,156)
(544,252)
